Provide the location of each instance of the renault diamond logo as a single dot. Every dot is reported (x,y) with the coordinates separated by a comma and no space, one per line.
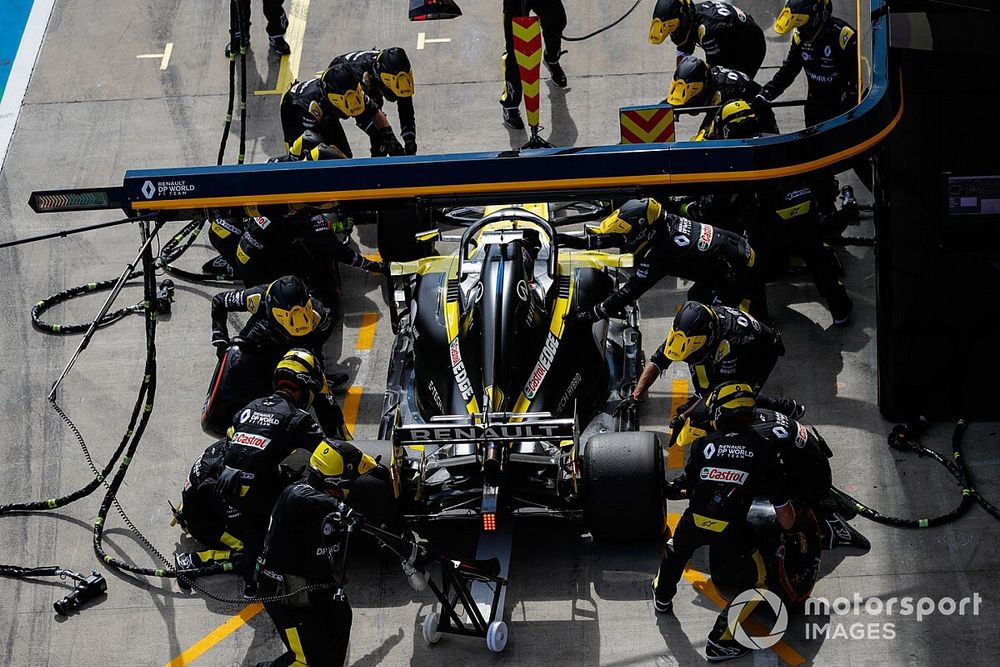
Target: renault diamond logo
(148,190)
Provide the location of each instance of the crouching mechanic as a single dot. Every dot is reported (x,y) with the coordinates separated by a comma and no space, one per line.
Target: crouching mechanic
(387,76)
(724,474)
(283,315)
(695,84)
(720,263)
(206,517)
(263,435)
(720,344)
(805,456)
(321,103)
(304,556)
(304,244)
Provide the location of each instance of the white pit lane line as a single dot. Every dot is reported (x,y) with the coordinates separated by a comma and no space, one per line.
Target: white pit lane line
(20,71)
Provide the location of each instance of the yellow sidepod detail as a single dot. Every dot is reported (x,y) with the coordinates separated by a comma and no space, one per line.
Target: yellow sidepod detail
(560,309)
(451,325)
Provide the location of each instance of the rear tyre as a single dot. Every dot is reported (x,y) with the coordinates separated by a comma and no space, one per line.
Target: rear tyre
(624,498)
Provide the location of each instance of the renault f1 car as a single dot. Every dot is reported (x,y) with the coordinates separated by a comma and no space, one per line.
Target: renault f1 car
(495,406)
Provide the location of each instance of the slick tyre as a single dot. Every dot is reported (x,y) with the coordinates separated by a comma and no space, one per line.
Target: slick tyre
(623,499)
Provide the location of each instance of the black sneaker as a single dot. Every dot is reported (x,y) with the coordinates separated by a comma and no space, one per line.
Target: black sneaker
(661,606)
(556,72)
(279,45)
(797,412)
(512,118)
(337,380)
(840,311)
(250,589)
(724,649)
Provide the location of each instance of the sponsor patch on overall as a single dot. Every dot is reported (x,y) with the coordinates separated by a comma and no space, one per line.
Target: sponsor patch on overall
(727,475)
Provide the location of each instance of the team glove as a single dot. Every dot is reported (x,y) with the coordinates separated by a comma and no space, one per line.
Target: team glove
(759,103)
(570,241)
(582,317)
(220,345)
(372,266)
(629,403)
(409,141)
(346,516)
(381,473)
(230,481)
(388,143)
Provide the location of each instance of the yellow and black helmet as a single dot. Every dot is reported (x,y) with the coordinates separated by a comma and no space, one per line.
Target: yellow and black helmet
(670,16)
(331,467)
(690,82)
(806,15)
(732,402)
(633,219)
(736,120)
(344,90)
(288,303)
(693,331)
(300,371)
(395,74)
(312,147)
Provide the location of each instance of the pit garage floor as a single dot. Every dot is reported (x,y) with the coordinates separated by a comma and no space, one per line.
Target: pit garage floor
(95,107)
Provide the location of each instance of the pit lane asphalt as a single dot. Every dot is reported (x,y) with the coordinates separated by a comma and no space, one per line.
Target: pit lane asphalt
(93,110)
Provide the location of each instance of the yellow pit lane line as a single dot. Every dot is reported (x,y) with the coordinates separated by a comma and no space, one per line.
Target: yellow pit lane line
(365,340)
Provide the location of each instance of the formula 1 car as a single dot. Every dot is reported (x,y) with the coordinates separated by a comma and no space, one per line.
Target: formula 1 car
(495,406)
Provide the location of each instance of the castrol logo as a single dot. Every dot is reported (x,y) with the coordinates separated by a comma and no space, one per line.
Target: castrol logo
(727,475)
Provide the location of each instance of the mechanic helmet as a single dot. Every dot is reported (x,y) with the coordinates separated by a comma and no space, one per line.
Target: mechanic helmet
(333,469)
(311,147)
(690,82)
(693,330)
(806,15)
(395,73)
(634,219)
(288,303)
(343,90)
(299,371)
(669,16)
(736,120)
(732,403)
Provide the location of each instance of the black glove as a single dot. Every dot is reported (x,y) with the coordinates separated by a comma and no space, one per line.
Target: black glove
(570,241)
(230,481)
(381,473)
(410,147)
(582,317)
(629,403)
(221,345)
(347,516)
(388,143)
(760,103)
